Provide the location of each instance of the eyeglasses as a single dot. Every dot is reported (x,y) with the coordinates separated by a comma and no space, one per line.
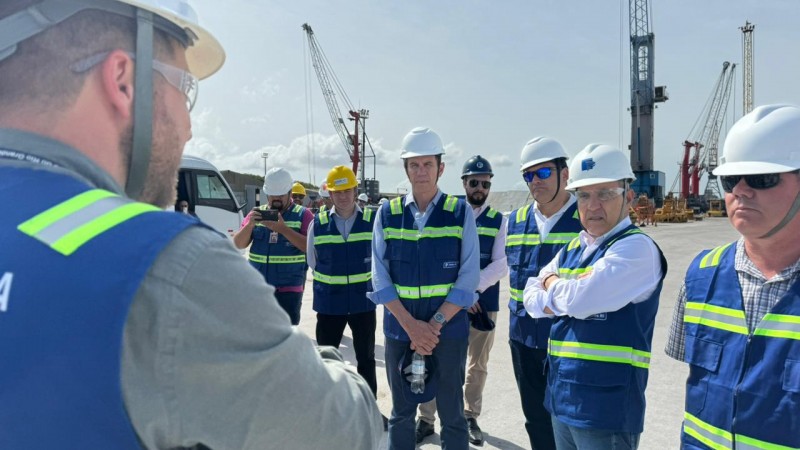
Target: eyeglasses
(474,183)
(603,195)
(178,78)
(543,174)
(298,196)
(760,182)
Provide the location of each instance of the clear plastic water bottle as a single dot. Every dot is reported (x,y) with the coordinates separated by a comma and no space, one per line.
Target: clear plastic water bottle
(417,373)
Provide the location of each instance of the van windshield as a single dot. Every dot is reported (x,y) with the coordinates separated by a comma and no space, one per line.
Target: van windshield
(210,187)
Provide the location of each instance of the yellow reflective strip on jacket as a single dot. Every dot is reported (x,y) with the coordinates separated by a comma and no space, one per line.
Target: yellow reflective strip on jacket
(600,352)
(323,217)
(713,437)
(74,240)
(522,213)
(488,231)
(571,274)
(575,243)
(286,259)
(748,443)
(712,257)
(63,209)
(396,205)
(450,203)
(634,231)
(513,240)
(559,238)
(714,316)
(294,224)
(297,208)
(257,258)
(328,239)
(416,293)
(516,294)
(779,326)
(358,237)
(427,233)
(492,213)
(367,215)
(575,215)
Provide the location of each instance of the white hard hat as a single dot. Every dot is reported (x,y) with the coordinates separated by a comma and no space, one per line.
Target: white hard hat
(383,200)
(363,197)
(539,150)
(278,181)
(598,163)
(323,191)
(767,140)
(204,54)
(421,142)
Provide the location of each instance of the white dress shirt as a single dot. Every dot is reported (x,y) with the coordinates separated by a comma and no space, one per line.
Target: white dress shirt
(629,272)
(498,268)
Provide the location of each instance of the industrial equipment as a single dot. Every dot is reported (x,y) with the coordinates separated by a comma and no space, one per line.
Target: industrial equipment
(354,143)
(747,60)
(644,96)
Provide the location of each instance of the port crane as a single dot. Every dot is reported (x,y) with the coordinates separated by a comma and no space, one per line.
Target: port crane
(700,149)
(644,96)
(353,143)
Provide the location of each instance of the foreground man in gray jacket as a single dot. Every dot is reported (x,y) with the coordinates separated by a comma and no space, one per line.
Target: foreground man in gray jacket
(122,325)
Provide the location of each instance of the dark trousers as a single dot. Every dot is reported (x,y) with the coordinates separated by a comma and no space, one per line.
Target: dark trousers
(330,329)
(451,361)
(290,302)
(529,371)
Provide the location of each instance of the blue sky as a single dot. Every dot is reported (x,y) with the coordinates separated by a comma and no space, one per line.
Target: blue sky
(487,76)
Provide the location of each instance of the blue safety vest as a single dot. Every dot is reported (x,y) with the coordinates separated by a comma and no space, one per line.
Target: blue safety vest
(527,253)
(599,365)
(488,224)
(743,389)
(280,262)
(343,268)
(72,260)
(424,265)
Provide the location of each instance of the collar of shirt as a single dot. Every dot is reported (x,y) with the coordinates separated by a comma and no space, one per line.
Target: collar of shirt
(545,224)
(355,211)
(420,219)
(476,212)
(591,242)
(743,263)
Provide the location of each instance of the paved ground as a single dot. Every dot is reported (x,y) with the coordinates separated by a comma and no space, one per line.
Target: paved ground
(502,419)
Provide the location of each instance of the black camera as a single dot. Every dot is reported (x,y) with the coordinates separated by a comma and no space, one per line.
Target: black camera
(269,215)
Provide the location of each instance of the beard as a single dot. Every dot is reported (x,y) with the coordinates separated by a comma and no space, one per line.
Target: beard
(477,198)
(160,188)
(277,204)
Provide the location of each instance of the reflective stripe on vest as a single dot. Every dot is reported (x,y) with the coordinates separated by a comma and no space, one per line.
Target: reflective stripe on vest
(338,239)
(719,439)
(516,294)
(71,224)
(713,316)
(572,274)
(416,293)
(598,352)
(712,258)
(343,279)
(427,232)
(779,326)
(488,231)
(273,259)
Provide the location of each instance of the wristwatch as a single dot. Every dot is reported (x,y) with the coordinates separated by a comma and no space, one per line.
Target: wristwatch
(439,318)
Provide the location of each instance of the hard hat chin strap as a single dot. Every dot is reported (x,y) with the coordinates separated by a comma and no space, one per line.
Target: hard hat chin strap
(786,219)
(558,183)
(139,160)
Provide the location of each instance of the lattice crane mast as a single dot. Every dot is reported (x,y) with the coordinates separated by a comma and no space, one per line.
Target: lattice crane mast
(644,96)
(328,82)
(705,140)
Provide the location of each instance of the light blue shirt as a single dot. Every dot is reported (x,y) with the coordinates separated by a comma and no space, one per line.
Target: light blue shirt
(463,292)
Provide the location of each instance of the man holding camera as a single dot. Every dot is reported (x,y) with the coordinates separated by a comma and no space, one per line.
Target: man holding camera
(277,232)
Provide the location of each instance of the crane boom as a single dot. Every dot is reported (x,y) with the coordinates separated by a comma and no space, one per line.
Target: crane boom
(349,141)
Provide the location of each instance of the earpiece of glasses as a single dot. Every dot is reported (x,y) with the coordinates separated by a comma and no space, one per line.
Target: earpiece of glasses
(474,183)
(759,182)
(543,174)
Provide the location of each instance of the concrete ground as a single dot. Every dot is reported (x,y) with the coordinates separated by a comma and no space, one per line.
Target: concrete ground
(501,418)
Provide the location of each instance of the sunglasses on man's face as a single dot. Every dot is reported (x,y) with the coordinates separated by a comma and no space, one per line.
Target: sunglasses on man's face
(759,182)
(543,174)
(474,183)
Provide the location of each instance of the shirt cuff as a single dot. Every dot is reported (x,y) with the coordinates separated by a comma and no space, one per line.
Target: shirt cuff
(383,296)
(460,297)
(534,298)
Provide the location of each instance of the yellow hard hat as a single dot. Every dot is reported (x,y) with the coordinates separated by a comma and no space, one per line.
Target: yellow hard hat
(298,188)
(341,178)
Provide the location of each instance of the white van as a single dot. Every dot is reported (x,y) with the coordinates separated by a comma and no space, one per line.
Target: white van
(209,196)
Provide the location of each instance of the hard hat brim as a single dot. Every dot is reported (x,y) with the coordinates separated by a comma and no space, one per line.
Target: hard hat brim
(536,162)
(406,155)
(592,181)
(753,168)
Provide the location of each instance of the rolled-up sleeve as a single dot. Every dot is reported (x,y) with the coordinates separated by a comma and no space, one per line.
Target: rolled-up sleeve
(383,288)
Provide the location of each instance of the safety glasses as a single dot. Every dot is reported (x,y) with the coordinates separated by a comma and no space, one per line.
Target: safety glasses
(474,183)
(542,173)
(603,195)
(178,78)
(759,182)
